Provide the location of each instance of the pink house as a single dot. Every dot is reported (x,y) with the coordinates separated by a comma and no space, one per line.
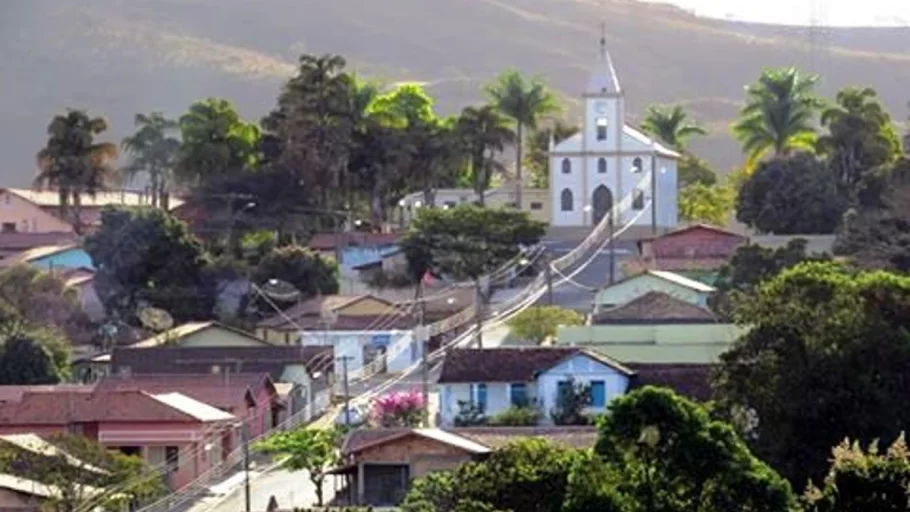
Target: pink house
(174,433)
(250,397)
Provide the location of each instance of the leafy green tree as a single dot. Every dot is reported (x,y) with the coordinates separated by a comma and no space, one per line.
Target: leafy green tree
(537,158)
(571,400)
(303,449)
(791,195)
(710,204)
(31,298)
(693,170)
(81,464)
(312,127)
(670,124)
(154,152)
(524,101)
(215,142)
(484,133)
(307,271)
(25,361)
(824,358)
(468,241)
(671,455)
(147,257)
(778,114)
(862,480)
(529,475)
(751,265)
(73,163)
(860,138)
(877,234)
(538,324)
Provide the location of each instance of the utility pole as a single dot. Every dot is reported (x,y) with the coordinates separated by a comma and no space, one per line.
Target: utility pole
(611,245)
(479,314)
(244,432)
(653,192)
(347,393)
(423,340)
(549,274)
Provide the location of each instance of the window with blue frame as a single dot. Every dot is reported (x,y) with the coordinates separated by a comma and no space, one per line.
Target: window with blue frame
(518,394)
(479,396)
(598,394)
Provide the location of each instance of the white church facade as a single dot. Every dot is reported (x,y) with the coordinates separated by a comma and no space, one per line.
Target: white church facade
(608,160)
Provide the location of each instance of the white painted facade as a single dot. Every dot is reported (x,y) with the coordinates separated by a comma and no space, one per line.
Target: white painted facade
(542,392)
(609,160)
(365,348)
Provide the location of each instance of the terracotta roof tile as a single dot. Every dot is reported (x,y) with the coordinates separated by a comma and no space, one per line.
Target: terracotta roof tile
(16,242)
(691,380)
(226,391)
(654,307)
(401,321)
(509,364)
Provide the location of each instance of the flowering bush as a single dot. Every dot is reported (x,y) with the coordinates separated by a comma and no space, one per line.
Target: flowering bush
(398,410)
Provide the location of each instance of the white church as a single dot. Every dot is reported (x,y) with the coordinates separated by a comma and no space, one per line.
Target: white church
(609,160)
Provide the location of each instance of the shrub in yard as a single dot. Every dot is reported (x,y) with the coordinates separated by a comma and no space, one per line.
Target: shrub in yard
(398,410)
(516,417)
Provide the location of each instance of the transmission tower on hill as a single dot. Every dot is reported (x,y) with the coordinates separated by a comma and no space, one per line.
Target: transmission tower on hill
(819,37)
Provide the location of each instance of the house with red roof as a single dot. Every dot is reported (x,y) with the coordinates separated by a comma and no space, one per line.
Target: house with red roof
(178,435)
(697,252)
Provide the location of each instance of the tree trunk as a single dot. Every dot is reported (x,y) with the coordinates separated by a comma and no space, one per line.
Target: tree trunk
(77,211)
(154,179)
(63,207)
(376,204)
(317,483)
(518,150)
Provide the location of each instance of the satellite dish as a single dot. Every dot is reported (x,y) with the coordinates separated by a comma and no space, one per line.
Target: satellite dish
(279,290)
(328,316)
(156,319)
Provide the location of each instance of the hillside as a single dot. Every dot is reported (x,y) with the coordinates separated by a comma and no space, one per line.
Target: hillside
(117,57)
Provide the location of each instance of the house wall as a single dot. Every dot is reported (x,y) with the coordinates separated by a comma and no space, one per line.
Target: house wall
(421,454)
(583,370)
(215,337)
(664,343)
(635,287)
(28,217)
(72,258)
(402,350)
(19,502)
(498,399)
(695,243)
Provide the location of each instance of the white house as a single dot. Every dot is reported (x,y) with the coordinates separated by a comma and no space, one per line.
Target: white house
(367,351)
(496,379)
(609,160)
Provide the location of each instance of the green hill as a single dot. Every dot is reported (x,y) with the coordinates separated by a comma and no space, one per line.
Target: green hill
(117,57)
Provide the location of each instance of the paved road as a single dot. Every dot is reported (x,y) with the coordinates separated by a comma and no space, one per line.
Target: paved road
(594,276)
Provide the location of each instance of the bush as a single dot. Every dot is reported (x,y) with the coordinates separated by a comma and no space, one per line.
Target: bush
(398,410)
(516,417)
(469,415)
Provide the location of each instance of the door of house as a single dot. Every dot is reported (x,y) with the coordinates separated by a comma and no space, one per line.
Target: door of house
(601,202)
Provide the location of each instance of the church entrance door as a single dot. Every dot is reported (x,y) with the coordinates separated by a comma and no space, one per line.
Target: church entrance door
(601,203)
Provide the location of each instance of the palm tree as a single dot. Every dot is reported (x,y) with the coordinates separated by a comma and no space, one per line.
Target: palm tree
(524,101)
(670,124)
(154,152)
(484,133)
(778,115)
(73,163)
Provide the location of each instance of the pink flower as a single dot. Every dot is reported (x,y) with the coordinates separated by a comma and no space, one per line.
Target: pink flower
(398,409)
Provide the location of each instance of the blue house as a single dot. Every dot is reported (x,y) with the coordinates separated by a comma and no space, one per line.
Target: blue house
(496,379)
(357,251)
(52,257)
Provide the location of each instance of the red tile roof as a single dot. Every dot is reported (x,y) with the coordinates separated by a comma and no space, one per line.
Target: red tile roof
(227,391)
(16,242)
(510,364)
(652,308)
(65,407)
(691,380)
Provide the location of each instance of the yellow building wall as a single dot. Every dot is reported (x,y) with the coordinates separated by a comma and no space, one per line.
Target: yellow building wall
(215,337)
(366,307)
(534,201)
(28,217)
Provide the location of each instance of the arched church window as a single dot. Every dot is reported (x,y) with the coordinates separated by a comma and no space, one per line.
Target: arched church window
(566,200)
(638,200)
(566,166)
(636,165)
(601,124)
(602,165)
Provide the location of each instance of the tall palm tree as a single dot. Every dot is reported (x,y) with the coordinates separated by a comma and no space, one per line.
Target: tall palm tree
(73,163)
(154,152)
(524,101)
(484,133)
(670,124)
(778,115)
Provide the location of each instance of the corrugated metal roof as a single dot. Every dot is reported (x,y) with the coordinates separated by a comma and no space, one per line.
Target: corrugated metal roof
(195,408)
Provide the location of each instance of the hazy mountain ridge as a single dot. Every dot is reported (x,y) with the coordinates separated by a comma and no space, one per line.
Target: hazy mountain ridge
(117,57)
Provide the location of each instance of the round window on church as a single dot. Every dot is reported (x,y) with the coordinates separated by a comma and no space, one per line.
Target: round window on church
(636,165)
(566,166)
(602,165)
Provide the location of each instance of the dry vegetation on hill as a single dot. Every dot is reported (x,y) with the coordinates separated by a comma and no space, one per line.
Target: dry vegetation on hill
(118,57)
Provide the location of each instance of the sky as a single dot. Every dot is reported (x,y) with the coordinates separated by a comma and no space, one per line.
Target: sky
(828,12)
